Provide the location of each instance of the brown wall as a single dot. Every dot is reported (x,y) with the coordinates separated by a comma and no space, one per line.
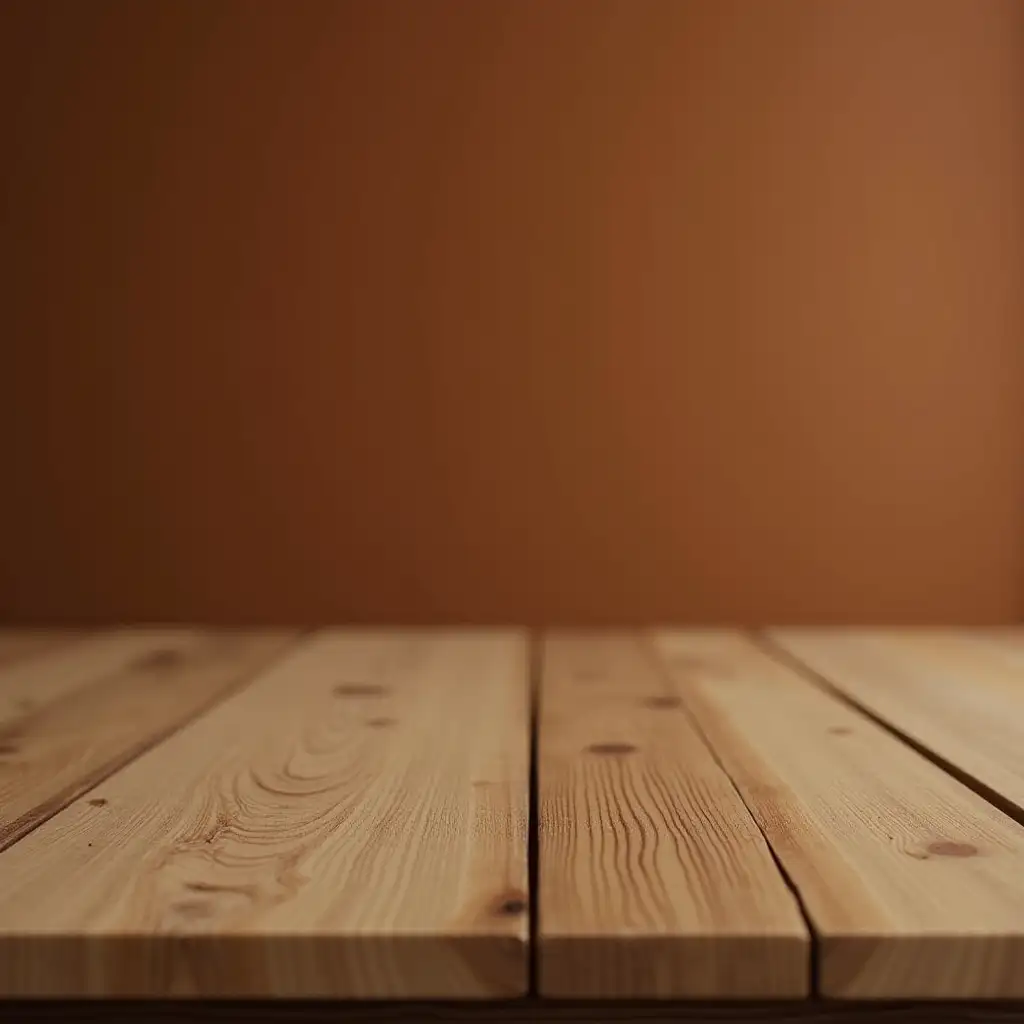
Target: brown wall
(574,310)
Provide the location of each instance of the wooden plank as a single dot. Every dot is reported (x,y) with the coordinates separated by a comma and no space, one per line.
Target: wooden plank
(29,684)
(352,823)
(20,644)
(958,695)
(70,717)
(1010,636)
(913,883)
(654,879)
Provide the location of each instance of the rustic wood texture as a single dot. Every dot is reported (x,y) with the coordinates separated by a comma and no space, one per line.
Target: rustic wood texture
(959,696)
(71,717)
(654,879)
(912,882)
(352,823)
(53,671)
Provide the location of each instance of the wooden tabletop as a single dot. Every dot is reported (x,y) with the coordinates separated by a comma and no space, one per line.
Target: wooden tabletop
(427,814)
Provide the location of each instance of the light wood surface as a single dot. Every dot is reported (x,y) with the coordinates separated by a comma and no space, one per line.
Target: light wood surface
(70,717)
(351,823)
(190,812)
(654,879)
(958,695)
(912,882)
(21,644)
(36,678)
(1006,636)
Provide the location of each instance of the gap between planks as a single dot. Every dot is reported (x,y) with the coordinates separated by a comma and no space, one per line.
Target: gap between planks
(655,879)
(77,708)
(911,881)
(965,715)
(350,824)
(702,668)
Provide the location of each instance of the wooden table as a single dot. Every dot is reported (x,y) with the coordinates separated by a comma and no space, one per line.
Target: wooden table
(694,825)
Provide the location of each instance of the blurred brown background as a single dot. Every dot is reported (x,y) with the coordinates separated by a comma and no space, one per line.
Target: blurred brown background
(537,310)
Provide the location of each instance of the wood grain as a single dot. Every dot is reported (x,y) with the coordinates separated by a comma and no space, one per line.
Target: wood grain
(30,683)
(352,823)
(912,882)
(958,695)
(654,879)
(71,717)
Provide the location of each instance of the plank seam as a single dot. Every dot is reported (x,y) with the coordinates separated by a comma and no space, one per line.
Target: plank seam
(19,828)
(779,654)
(813,958)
